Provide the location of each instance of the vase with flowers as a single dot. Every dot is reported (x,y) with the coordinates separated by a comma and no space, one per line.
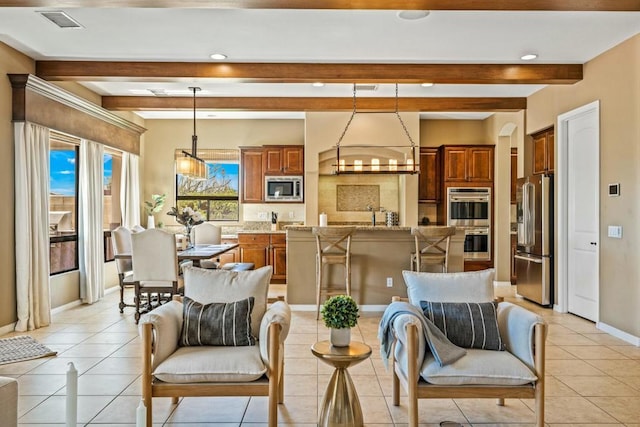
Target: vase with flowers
(187,217)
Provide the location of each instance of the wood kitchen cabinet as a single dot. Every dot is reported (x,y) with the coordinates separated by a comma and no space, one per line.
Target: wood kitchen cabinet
(278,257)
(230,256)
(283,160)
(258,162)
(514,174)
(265,249)
(468,163)
(514,248)
(254,247)
(251,175)
(429,187)
(543,151)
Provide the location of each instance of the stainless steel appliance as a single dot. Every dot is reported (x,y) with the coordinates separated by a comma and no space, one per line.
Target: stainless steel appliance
(283,189)
(477,243)
(534,255)
(469,206)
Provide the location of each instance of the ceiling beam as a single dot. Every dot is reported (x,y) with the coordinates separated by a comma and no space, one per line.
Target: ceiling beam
(511,5)
(309,73)
(148,103)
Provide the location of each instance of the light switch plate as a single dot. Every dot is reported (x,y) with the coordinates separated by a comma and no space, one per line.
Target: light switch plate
(615,231)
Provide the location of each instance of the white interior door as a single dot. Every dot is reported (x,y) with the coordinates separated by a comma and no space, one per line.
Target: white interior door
(583,216)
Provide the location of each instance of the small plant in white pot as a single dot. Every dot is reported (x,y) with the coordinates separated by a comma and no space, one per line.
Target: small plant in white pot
(340,314)
(154,206)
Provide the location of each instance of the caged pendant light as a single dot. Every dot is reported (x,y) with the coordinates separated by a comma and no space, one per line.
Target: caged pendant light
(191,165)
(376,159)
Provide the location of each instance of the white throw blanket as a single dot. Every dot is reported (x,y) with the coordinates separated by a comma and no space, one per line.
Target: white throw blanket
(444,351)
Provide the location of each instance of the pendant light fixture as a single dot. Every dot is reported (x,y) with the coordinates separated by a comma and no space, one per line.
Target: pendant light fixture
(191,165)
(376,159)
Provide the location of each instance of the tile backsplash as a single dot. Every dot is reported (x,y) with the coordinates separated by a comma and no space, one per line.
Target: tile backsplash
(387,188)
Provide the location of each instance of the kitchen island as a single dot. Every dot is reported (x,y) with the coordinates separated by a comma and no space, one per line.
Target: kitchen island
(377,253)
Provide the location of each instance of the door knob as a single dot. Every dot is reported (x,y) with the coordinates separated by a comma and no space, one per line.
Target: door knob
(593,243)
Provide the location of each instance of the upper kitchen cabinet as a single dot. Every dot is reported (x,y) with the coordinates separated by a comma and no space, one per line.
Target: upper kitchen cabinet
(468,163)
(514,174)
(251,175)
(283,160)
(543,151)
(268,160)
(429,188)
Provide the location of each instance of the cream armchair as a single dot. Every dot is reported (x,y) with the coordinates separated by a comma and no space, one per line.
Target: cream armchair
(517,372)
(171,370)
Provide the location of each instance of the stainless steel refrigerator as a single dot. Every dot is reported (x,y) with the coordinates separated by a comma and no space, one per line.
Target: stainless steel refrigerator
(534,255)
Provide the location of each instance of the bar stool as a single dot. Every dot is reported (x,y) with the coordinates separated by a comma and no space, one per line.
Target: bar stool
(333,246)
(435,251)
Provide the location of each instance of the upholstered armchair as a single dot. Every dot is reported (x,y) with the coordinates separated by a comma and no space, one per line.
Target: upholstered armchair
(220,339)
(427,367)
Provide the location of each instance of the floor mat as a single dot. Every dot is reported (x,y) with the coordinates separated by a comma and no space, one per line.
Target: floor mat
(17,349)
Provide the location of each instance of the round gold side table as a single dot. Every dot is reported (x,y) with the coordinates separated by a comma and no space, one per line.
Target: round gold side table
(341,406)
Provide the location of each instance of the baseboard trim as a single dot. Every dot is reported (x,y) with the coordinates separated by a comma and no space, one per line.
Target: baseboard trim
(497,284)
(8,328)
(312,307)
(632,339)
(65,307)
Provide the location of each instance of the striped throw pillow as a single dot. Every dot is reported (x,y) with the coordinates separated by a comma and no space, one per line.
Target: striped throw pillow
(217,323)
(466,324)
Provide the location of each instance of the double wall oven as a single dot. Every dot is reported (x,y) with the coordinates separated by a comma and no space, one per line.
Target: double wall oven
(470,209)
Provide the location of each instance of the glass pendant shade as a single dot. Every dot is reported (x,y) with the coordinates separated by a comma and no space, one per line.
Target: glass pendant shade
(191,165)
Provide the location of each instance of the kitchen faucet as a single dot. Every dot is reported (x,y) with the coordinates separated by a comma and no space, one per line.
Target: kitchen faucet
(373,214)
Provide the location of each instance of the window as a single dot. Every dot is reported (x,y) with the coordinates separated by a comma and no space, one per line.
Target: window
(111,199)
(63,204)
(216,198)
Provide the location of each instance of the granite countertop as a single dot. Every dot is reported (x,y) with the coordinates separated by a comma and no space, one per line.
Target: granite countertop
(262,231)
(358,227)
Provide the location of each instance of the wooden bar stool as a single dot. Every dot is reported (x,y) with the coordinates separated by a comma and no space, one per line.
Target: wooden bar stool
(435,246)
(333,246)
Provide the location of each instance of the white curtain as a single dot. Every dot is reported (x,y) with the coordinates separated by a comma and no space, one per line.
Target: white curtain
(130,190)
(90,232)
(32,226)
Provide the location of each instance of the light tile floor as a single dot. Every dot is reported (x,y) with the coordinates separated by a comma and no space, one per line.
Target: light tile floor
(593,378)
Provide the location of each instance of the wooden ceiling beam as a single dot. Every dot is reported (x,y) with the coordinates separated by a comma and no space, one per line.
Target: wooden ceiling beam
(496,5)
(148,103)
(309,73)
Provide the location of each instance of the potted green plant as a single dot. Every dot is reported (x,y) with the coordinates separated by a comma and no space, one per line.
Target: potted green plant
(154,206)
(340,314)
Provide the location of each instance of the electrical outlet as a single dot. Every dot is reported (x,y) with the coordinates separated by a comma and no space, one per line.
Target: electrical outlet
(262,216)
(389,282)
(292,215)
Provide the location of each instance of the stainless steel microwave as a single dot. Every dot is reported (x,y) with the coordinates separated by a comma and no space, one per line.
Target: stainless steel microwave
(283,189)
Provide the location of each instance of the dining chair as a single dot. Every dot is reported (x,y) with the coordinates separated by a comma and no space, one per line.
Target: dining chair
(333,247)
(210,234)
(431,246)
(121,243)
(155,267)
(207,234)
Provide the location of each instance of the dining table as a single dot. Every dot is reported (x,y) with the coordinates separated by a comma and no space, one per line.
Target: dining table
(196,253)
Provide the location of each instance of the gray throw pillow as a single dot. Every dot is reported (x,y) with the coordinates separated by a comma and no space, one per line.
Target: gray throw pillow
(466,324)
(217,323)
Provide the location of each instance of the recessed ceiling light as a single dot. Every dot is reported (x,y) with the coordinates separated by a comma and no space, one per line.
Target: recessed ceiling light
(218,56)
(412,15)
(317,84)
(426,84)
(529,56)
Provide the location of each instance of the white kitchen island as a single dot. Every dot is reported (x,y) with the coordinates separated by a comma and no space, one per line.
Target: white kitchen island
(377,253)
